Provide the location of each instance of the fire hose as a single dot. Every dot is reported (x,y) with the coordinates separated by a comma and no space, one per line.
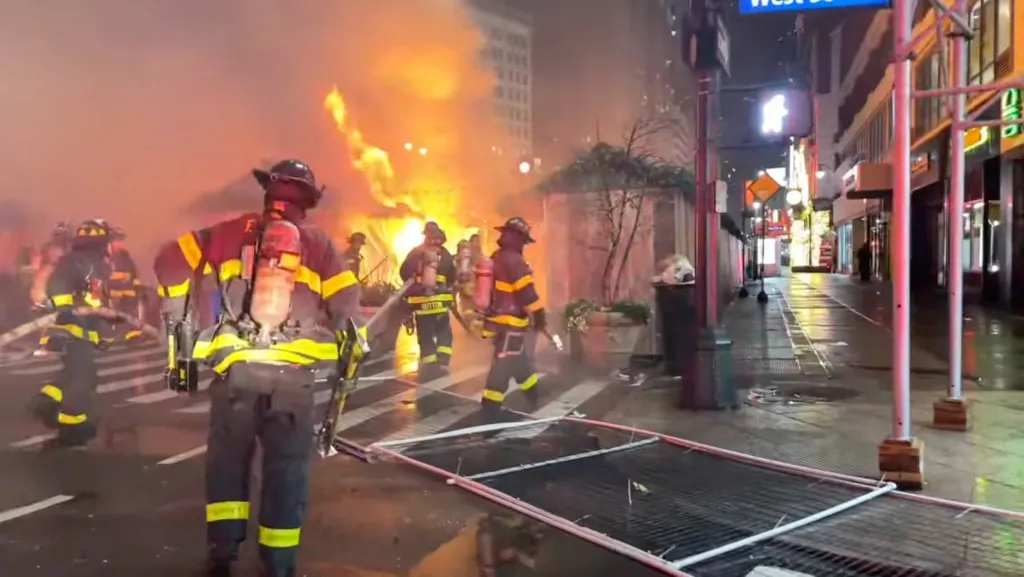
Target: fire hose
(49,320)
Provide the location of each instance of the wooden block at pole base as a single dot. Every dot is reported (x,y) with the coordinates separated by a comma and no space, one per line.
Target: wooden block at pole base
(902,462)
(950,414)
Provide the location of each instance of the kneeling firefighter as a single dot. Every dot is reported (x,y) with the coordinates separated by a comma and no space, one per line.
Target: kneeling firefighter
(80,278)
(431,299)
(124,282)
(276,274)
(505,293)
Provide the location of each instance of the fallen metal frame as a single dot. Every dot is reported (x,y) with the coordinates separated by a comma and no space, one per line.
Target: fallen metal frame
(471,483)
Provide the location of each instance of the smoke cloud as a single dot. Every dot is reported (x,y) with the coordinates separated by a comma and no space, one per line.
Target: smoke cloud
(131,110)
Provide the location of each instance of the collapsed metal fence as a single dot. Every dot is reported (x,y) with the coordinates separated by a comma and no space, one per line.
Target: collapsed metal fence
(685,508)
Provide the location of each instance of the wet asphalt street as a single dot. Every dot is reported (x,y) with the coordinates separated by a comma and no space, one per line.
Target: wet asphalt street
(132,503)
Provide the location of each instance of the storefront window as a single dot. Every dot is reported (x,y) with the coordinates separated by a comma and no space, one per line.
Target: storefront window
(992,21)
(972,247)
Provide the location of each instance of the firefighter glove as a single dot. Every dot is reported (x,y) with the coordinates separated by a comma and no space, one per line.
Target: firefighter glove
(183,377)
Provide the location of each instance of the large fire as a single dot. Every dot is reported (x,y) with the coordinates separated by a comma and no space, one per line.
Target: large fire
(407,204)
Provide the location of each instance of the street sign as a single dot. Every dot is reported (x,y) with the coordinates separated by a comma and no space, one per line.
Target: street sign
(766,6)
(764,188)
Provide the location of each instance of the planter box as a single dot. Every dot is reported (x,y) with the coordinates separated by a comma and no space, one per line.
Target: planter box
(609,341)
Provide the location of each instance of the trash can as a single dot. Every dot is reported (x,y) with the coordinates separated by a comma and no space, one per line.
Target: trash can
(677,323)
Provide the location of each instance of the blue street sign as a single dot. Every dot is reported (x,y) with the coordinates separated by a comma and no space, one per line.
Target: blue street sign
(765,6)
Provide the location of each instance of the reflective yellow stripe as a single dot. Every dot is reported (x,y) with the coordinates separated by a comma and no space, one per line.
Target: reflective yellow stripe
(174,291)
(437,311)
(520,284)
(63,300)
(66,419)
(79,333)
(227,511)
(338,282)
(279,538)
(429,359)
(229,269)
(496,396)
(533,307)
(486,333)
(44,339)
(122,293)
(263,356)
(529,383)
(308,347)
(53,392)
(444,351)
(439,298)
(441,279)
(510,320)
(190,250)
(132,334)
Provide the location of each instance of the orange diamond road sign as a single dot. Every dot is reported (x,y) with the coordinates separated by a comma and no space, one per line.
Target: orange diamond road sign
(764,188)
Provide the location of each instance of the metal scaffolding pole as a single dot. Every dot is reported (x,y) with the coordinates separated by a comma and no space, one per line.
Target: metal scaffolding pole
(954,224)
(902,28)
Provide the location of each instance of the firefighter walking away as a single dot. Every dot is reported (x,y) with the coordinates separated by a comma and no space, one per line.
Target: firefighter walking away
(276,274)
(124,282)
(354,253)
(431,298)
(513,316)
(79,279)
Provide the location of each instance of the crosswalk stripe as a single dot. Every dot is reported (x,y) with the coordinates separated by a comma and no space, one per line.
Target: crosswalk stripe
(560,406)
(363,414)
(164,395)
(55,363)
(434,423)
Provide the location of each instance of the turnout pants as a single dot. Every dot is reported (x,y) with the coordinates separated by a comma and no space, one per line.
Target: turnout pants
(512,360)
(273,404)
(64,404)
(434,336)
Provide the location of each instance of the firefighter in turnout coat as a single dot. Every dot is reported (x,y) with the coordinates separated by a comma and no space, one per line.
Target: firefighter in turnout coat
(124,281)
(278,276)
(79,279)
(514,318)
(431,299)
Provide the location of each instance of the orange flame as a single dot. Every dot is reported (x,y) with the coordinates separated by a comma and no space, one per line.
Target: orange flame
(428,197)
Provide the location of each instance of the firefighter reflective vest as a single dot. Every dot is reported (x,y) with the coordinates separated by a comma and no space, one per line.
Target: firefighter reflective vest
(433,300)
(322,284)
(124,279)
(514,297)
(79,279)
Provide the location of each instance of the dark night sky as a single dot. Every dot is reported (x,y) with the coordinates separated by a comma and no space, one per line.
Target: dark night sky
(762,47)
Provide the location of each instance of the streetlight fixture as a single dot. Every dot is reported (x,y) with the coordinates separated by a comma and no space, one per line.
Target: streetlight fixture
(423,151)
(408,146)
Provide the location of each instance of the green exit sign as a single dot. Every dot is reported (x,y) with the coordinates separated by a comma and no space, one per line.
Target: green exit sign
(1012,110)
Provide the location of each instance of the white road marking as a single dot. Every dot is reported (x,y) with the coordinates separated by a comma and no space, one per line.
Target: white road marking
(13,514)
(559,407)
(55,363)
(164,395)
(183,456)
(33,440)
(363,414)
(434,423)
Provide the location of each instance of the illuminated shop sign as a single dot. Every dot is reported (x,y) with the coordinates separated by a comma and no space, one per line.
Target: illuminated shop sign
(976,137)
(1012,109)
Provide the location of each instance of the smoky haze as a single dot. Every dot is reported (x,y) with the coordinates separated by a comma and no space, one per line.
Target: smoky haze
(130,110)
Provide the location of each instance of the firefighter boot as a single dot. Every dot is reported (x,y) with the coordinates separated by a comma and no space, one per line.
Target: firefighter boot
(220,556)
(46,405)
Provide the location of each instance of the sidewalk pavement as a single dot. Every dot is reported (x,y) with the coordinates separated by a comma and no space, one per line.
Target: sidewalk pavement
(814,365)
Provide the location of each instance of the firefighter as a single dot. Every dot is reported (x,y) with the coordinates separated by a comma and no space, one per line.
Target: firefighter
(513,319)
(431,299)
(276,273)
(353,254)
(124,281)
(80,278)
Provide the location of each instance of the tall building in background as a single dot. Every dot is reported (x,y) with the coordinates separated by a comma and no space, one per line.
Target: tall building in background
(509,50)
(600,66)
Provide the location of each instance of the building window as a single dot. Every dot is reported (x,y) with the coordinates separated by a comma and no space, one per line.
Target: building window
(928,112)
(499,91)
(991,20)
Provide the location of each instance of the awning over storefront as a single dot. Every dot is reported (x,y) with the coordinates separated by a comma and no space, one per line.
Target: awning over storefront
(868,180)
